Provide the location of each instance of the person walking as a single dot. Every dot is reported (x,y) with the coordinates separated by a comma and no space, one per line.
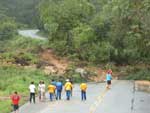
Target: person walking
(83,88)
(59,87)
(68,87)
(108,79)
(51,90)
(15,102)
(32,89)
(43,91)
(39,90)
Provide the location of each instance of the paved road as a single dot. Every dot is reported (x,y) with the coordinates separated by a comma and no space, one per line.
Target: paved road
(121,98)
(31,34)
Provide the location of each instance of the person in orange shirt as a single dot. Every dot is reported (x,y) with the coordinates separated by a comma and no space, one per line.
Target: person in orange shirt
(51,90)
(68,87)
(83,88)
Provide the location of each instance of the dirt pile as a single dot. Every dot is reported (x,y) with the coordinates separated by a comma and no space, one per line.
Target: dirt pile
(54,64)
(142,85)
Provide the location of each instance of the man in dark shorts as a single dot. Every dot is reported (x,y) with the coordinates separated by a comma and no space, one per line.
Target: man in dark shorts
(108,79)
(15,101)
(109,82)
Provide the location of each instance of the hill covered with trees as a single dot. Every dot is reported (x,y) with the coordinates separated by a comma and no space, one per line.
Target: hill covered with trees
(22,11)
(98,30)
(98,33)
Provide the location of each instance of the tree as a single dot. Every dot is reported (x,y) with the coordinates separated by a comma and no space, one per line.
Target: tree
(99,30)
(7,28)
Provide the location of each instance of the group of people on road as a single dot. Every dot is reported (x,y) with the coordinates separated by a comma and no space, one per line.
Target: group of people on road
(55,89)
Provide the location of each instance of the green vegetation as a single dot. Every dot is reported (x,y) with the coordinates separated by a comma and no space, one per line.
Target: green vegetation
(7,29)
(98,31)
(14,78)
(23,11)
(17,50)
(21,50)
(7,105)
(143,74)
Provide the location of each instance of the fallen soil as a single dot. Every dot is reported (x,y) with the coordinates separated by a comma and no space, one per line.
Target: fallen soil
(142,85)
(55,64)
(59,66)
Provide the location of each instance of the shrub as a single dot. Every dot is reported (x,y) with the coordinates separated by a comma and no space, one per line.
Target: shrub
(143,74)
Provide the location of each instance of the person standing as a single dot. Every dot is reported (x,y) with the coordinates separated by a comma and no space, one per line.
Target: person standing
(108,79)
(15,101)
(39,90)
(51,90)
(59,87)
(54,84)
(68,87)
(32,89)
(83,88)
(43,91)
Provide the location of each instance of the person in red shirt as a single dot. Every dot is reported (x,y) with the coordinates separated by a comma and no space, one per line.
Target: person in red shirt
(15,101)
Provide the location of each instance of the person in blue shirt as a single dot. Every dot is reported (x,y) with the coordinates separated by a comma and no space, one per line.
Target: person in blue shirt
(108,79)
(59,87)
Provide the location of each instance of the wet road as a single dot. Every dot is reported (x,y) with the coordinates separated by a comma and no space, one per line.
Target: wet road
(31,34)
(121,98)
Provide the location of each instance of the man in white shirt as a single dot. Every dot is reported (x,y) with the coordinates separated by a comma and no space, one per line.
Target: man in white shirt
(32,89)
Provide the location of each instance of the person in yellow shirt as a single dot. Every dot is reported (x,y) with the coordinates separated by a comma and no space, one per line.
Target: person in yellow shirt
(51,90)
(68,87)
(83,88)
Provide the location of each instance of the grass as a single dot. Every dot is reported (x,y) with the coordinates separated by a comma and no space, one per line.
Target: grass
(6,106)
(19,42)
(17,79)
(21,48)
(13,78)
(143,74)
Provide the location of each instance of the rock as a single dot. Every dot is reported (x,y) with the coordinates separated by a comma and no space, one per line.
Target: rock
(81,71)
(50,70)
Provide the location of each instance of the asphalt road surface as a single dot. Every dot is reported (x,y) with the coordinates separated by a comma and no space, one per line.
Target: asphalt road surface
(31,33)
(121,98)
